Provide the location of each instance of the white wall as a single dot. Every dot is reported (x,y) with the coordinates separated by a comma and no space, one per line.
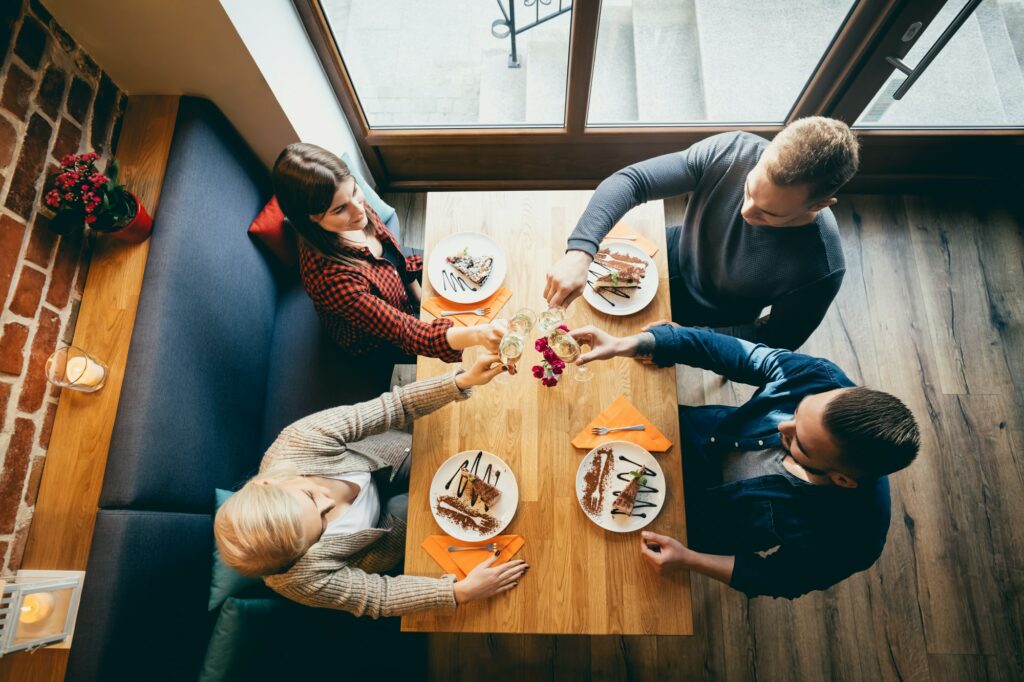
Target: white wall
(277,41)
(191,47)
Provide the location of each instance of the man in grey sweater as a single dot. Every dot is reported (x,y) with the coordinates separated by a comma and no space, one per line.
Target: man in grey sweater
(757,231)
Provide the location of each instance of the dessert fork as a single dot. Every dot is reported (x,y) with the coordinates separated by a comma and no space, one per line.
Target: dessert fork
(602,430)
(492,547)
(479,312)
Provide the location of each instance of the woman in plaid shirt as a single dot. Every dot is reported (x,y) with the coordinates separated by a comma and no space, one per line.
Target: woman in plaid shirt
(366,292)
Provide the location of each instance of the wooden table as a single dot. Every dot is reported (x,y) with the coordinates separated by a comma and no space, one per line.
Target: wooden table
(583,579)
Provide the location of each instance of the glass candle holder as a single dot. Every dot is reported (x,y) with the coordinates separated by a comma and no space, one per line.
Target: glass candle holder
(71,367)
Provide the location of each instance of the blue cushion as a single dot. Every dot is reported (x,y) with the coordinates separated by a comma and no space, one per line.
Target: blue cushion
(308,372)
(376,203)
(193,397)
(143,610)
(275,639)
(225,581)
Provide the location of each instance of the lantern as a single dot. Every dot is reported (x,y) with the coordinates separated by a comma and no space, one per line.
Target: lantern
(38,608)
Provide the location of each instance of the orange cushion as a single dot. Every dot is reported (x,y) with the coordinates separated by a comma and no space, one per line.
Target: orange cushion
(269,227)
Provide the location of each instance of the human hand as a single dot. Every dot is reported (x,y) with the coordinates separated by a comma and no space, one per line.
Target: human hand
(484,368)
(490,335)
(603,345)
(566,278)
(664,554)
(487,580)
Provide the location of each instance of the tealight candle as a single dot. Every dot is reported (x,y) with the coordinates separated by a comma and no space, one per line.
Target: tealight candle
(83,371)
(36,607)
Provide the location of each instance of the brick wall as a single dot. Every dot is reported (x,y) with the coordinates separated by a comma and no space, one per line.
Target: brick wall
(54,100)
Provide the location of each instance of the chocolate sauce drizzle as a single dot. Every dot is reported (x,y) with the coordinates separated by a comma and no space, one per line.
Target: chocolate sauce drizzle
(455,282)
(475,470)
(617,291)
(625,476)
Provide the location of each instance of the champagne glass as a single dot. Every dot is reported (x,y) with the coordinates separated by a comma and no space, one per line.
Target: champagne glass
(568,349)
(510,350)
(523,321)
(549,320)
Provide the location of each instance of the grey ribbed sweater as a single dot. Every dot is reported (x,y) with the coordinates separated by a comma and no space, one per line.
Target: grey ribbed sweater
(343,571)
(728,269)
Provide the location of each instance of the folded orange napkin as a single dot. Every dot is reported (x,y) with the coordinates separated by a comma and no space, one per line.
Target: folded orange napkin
(461,563)
(622,230)
(622,413)
(495,302)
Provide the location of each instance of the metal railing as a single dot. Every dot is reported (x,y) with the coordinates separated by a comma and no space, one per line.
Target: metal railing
(506,27)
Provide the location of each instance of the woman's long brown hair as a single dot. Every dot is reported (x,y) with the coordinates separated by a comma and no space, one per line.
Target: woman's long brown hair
(305,179)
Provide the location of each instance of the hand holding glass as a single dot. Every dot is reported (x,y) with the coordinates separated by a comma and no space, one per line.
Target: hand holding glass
(568,349)
(510,350)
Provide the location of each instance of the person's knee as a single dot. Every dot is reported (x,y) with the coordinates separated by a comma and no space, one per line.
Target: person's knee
(399,506)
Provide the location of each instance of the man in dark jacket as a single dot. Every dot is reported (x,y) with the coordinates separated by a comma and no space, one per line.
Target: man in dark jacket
(787,493)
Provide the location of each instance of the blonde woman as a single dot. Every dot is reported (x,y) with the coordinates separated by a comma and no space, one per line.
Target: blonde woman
(324,519)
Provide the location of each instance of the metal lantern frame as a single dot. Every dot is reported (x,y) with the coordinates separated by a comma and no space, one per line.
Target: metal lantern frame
(13,591)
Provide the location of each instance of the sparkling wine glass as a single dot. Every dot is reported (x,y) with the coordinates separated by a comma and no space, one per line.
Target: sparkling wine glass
(523,321)
(549,320)
(510,350)
(568,349)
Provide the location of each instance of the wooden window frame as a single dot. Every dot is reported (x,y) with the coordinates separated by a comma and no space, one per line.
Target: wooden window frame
(574,156)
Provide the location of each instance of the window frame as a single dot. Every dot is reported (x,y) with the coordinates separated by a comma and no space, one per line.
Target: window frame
(574,156)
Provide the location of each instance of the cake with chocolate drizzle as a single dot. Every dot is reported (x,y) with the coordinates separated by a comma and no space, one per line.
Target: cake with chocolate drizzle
(627,498)
(480,488)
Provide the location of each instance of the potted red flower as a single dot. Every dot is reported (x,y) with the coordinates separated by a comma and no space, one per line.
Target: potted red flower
(82,197)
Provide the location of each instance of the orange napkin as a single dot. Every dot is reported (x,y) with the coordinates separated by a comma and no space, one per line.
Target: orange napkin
(495,302)
(622,413)
(461,563)
(622,230)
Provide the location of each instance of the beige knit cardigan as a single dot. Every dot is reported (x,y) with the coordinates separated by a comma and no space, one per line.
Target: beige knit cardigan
(343,571)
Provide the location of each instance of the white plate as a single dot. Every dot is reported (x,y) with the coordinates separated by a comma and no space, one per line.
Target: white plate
(478,245)
(655,498)
(447,481)
(637,299)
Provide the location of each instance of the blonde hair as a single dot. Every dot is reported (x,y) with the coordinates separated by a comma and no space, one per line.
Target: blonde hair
(259,528)
(821,153)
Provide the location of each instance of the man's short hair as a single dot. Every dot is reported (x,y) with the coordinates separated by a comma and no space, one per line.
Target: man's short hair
(821,153)
(876,433)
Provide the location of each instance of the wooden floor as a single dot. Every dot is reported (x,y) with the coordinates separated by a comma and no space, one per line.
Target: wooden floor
(932,310)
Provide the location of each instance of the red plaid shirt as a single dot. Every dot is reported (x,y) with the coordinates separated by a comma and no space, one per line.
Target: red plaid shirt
(367,308)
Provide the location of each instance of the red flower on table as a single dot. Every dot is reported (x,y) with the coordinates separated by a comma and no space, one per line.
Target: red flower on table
(551,366)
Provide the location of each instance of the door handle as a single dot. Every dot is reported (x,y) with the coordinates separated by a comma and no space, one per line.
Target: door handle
(914,73)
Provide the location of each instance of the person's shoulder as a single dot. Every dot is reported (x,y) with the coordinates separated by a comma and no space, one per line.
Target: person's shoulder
(730,150)
(871,512)
(831,241)
(734,141)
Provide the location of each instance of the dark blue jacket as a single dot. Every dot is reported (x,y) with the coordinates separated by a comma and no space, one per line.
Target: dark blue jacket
(823,533)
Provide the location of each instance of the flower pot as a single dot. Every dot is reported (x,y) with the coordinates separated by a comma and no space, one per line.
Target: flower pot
(138,228)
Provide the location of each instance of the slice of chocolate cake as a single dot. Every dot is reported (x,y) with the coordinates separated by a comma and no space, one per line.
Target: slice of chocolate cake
(482,490)
(622,279)
(627,498)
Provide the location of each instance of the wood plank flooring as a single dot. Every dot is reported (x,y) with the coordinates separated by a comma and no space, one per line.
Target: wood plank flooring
(932,310)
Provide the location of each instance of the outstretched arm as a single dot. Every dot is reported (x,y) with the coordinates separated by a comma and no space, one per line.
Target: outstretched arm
(657,178)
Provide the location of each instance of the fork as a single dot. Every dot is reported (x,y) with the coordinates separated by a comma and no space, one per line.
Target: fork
(602,430)
(625,237)
(492,547)
(479,312)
